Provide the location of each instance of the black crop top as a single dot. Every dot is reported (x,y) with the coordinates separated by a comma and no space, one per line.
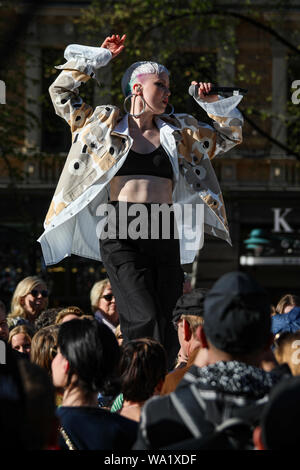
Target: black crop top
(156,163)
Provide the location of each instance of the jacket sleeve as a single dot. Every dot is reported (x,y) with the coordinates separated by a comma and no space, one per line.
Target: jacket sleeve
(228,121)
(82,61)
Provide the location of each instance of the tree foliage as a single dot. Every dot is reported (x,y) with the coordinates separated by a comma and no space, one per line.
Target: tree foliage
(197,40)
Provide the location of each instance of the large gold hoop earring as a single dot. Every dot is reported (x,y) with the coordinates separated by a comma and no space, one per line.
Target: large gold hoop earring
(125,101)
(171,112)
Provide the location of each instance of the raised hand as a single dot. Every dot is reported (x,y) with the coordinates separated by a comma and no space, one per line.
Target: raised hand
(205,88)
(114,44)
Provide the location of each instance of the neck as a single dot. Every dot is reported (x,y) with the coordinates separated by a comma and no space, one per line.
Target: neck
(142,123)
(217,356)
(128,404)
(75,397)
(112,319)
(31,316)
(132,410)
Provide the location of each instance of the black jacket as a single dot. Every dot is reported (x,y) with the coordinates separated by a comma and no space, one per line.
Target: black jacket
(206,398)
(89,428)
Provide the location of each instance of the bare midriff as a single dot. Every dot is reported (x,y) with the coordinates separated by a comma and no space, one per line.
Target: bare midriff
(141,189)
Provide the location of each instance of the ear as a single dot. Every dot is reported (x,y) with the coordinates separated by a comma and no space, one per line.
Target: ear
(198,335)
(137,88)
(202,338)
(187,332)
(66,366)
(257,438)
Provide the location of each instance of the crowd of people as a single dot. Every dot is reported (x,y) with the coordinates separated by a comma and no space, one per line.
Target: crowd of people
(146,368)
(72,383)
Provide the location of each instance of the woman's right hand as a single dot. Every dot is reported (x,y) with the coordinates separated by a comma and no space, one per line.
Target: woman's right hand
(114,44)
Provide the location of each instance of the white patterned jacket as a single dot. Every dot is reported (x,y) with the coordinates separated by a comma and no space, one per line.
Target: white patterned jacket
(100,144)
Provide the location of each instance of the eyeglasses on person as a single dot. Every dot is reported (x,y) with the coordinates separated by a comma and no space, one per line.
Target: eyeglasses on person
(53,352)
(108,297)
(36,292)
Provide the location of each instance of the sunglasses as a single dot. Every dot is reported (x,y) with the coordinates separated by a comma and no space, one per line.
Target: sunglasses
(108,297)
(36,292)
(53,352)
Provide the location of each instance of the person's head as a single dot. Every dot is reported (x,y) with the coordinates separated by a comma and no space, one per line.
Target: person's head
(4,332)
(87,356)
(148,82)
(287,350)
(188,319)
(143,368)
(102,299)
(279,424)
(67,314)
(237,320)
(20,338)
(30,298)
(286,321)
(43,346)
(42,424)
(47,318)
(287,303)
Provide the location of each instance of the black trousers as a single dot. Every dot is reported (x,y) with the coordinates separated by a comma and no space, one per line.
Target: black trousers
(146,279)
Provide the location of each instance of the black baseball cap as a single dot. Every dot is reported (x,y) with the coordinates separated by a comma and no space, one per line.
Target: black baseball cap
(190,304)
(237,314)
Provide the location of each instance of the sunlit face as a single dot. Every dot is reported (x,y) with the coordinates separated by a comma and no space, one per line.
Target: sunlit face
(107,305)
(21,343)
(4,332)
(59,368)
(155,91)
(34,305)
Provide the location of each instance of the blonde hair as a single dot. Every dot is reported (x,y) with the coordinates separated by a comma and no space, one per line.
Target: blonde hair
(73,310)
(22,289)
(288,300)
(96,292)
(140,68)
(194,321)
(42,342)
(21,330)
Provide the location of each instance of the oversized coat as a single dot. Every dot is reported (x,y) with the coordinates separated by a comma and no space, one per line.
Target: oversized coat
(100,145)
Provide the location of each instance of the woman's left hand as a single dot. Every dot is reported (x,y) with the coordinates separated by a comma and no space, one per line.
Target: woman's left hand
(205,88)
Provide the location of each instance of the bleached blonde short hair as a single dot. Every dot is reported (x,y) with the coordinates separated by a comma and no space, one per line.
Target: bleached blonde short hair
(137,69)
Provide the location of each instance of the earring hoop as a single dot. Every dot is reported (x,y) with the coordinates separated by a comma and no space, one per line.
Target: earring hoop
(125,102)
(171,112)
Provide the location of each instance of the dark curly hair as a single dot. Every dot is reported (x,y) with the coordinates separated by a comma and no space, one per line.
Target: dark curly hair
(92,351)
(143,365)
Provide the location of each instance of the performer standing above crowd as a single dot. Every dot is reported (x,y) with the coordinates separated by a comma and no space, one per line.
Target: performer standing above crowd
(120,169)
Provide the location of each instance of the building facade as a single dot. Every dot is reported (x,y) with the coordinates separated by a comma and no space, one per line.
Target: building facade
(259,179)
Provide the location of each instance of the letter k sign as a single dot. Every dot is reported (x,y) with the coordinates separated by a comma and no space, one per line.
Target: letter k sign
(280,224)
